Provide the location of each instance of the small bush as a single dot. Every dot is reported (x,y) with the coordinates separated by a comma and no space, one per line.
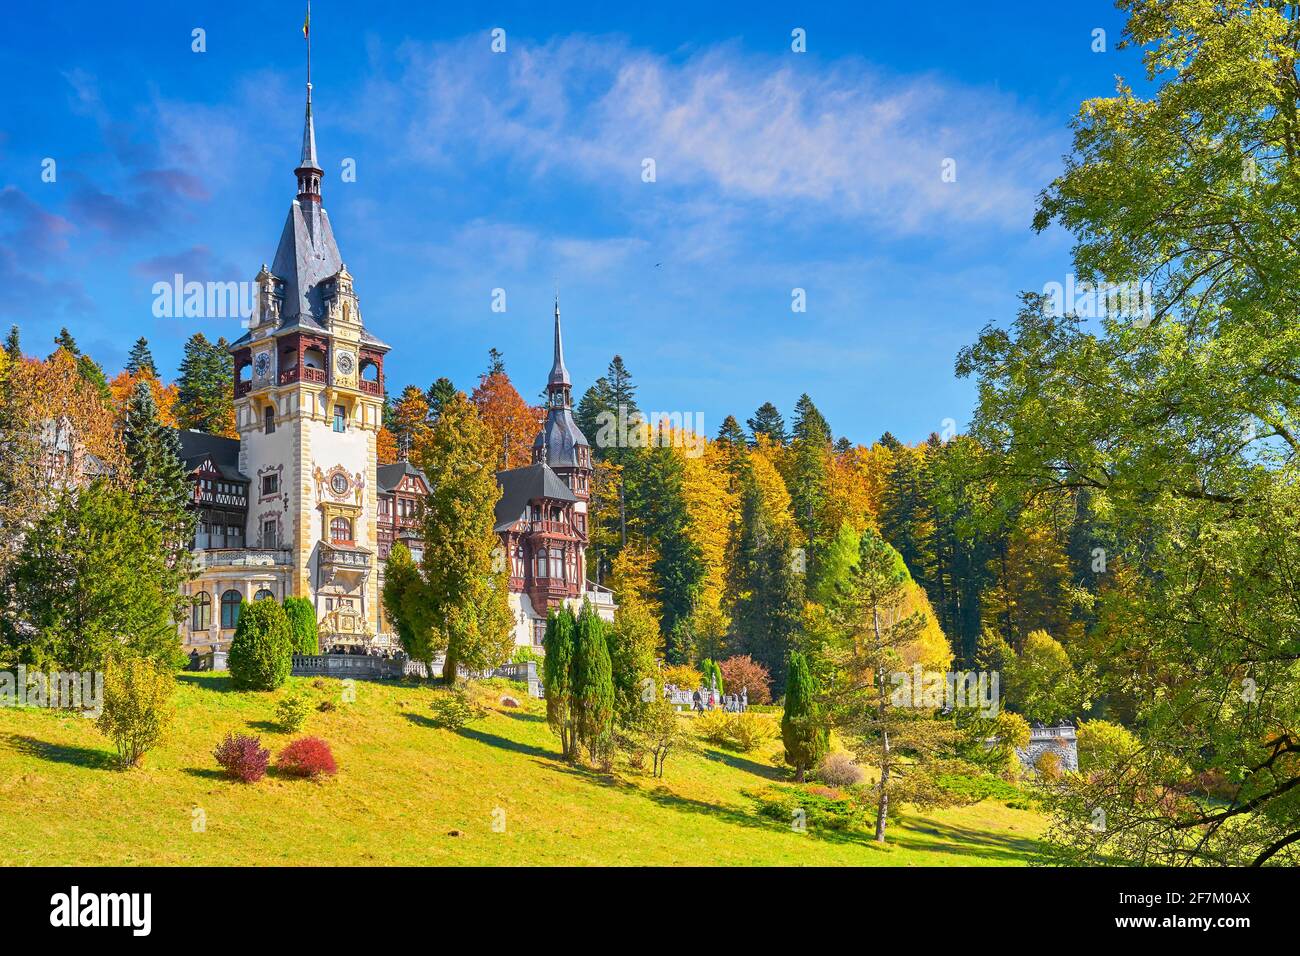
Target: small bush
(508,701)
(137,708)
(523,655)
(838,769)
(261,652)
(1103,745)
(325,706)
(748,731)
(741,732)
(243,757)
(821,812)
(291,713)
(714,726)
(452,710)
(307,757)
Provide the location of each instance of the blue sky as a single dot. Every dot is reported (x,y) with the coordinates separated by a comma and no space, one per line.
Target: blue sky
(775,170)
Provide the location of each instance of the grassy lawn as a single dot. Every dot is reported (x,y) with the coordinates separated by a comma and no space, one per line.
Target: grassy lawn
(405,785)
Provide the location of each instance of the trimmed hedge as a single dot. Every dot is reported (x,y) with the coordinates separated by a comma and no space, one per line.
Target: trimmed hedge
(261,653)
(302,620)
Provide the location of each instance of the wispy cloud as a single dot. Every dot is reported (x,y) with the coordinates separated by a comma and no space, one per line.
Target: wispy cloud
(842,137)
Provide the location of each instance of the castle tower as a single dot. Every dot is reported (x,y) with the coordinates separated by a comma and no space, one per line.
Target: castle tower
(309,393)
(561,444)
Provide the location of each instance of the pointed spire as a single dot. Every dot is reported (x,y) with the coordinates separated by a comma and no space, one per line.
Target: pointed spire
(309,171)
(559,374)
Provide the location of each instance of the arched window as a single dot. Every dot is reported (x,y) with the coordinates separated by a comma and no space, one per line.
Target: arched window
(341,531)
(201,613)
(369,371)
(230,608)
(263,595)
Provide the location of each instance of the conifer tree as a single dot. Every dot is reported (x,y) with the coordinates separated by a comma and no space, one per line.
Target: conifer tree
(302,621)
(439,394)
(13,345)
(261,652)
(141,359)
(205,387)
(768,613)
(809,479)
(557,677)
(163,490)
(767,421)
(803,728)
(632,639)
(593,686)
(64,340)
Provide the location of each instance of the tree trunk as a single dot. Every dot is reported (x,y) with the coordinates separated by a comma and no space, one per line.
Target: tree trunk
(882,808)
(449,669)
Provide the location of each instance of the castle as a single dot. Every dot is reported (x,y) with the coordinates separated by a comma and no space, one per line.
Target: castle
(298,504)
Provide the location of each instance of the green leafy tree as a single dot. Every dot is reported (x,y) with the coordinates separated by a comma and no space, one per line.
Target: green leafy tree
(405,604)
(261,652)
(302,621)
(463,596)
(1176,410)
(804,729)
(632,641)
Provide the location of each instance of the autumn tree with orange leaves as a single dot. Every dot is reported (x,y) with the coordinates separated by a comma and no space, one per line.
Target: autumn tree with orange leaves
(512,422)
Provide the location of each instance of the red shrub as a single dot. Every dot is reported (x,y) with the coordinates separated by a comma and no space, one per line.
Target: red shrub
(743,671)
(307,757)
(243,757)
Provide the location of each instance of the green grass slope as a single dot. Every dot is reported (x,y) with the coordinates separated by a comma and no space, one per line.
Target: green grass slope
(405,786)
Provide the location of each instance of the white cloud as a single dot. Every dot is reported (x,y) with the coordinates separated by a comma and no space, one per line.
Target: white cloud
(786,133)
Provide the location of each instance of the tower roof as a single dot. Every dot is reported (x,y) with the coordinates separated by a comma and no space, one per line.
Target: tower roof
(559,374)
(308,160)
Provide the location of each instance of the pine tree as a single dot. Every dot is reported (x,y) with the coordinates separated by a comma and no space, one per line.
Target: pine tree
(13,346)
(205,387)
(466,598)
(141,359)
(809,480)
(593,687)
(91,581)
(767,421)
(768,613)
(162,488)
(594,409)
(496,363)
(438,395)
(804,730)
(64,340)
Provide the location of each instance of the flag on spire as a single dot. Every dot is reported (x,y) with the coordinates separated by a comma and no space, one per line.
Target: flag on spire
(306,24)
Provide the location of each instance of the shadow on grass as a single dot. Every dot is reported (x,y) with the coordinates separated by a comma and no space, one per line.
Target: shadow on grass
(218,683)
(266,726)
(207,773)
(927,835)
(522,715)
(59,753)
(736,762)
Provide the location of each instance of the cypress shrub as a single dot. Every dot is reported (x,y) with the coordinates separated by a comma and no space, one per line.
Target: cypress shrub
(803,730)
(556,667)
(593,686)
(261,653)
(302,620)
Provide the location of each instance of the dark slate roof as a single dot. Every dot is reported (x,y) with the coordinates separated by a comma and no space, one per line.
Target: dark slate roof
(224,452)
(390,476)
(522,485)
(306,257)
(561,435)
